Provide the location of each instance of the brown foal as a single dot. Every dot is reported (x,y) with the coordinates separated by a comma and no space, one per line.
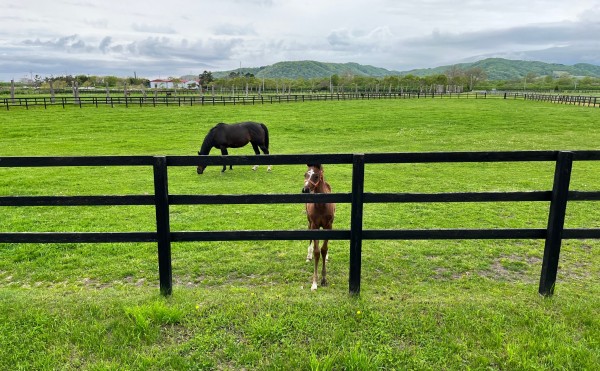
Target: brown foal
(320,215)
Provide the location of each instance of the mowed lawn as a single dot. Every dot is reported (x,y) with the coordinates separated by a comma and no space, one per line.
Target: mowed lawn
(248,305)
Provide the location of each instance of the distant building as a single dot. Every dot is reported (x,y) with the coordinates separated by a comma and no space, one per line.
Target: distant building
(170,84)
(162,84)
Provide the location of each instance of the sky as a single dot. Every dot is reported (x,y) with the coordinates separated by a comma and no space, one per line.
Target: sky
(166,38)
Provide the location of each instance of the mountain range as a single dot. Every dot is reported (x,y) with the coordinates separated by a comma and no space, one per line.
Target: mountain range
(495,69)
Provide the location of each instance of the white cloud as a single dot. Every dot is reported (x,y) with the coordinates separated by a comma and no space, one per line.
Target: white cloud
(153,28)
(168,38)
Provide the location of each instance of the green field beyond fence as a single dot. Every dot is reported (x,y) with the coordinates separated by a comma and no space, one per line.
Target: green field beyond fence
(441,304)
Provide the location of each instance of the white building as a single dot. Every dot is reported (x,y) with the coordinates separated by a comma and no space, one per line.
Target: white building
(169,84)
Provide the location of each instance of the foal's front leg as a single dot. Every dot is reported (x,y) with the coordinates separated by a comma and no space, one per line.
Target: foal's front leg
(316,255)
(309,253)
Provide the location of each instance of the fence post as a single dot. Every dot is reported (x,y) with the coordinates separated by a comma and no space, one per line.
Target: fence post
(556,221)
(356,221)
(163,229)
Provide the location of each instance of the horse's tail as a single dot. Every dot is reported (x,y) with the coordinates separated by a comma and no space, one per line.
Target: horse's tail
(266,135)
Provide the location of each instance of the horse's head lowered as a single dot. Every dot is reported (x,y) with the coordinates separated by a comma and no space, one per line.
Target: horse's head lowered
(200,168)
(312,178)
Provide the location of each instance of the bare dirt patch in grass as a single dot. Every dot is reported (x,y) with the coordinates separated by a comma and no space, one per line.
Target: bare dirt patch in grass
(513,268)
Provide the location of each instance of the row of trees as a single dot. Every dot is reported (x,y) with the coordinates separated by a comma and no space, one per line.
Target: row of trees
(345,82)
(533,82)
(83,81)
(455,77)
(454,80)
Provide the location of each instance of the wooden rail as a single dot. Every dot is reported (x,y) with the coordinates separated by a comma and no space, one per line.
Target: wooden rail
(555,232)
(191,100)
(578,100)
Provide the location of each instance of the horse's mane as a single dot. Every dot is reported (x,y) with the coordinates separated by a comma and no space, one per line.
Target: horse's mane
(208,140)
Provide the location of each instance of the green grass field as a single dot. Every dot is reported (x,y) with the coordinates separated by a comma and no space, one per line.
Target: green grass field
(248,305)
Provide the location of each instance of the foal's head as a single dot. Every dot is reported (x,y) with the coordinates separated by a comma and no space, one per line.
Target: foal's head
(312,178)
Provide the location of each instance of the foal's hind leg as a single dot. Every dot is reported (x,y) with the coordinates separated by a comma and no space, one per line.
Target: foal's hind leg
(324,249)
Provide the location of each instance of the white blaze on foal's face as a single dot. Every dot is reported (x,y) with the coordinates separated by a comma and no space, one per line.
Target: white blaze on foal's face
(309,174)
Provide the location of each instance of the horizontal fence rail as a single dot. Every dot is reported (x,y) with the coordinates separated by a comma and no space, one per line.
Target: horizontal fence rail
(163,236)
(223,100)
(578,100)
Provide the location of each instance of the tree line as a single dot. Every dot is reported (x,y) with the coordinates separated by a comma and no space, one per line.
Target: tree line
(455,79)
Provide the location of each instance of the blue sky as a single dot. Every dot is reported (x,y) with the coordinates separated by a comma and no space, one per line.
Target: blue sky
(171,38)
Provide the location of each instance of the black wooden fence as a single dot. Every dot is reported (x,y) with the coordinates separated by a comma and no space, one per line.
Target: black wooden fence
(170,100)
(232,100)
(162,199)
(579,100)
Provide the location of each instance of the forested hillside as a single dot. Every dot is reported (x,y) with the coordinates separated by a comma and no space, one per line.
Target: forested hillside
(309,70)
(494,68)
(506,69)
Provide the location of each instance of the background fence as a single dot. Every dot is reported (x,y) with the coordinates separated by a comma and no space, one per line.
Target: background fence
(191,100)
(163,236)
(579,100)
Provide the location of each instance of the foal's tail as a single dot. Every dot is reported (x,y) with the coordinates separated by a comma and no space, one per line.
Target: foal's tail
(266,135)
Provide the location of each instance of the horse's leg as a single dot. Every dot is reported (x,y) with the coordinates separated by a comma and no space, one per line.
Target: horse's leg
(316,254)
(311,243)
(324,256)
(225,153)
(309,253)
(266,152)
(256,152)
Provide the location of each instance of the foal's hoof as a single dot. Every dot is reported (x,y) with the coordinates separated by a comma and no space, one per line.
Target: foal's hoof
(269,169)
(313,287)
(254,167)
(323,282)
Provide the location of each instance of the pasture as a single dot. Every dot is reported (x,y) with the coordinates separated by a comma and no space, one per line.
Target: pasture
(423,304)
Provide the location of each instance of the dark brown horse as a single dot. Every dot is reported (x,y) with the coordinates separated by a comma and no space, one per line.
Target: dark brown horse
(319,216)
(223,136)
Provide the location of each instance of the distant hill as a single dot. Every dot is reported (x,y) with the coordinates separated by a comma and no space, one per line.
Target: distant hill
(507,69)
(309,70)
(495,68)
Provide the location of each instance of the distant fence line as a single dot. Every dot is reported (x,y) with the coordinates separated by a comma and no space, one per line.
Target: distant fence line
(553,235)
(170,100)
(579,100)
(191,100)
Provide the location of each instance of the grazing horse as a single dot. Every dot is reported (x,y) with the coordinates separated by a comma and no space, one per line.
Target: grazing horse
(223,136)
(319,216)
